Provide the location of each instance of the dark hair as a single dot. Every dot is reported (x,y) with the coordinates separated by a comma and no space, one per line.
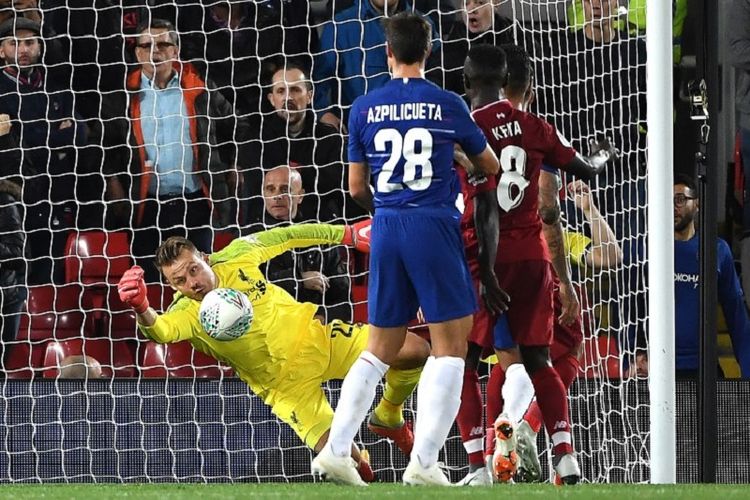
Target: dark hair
(172,247)
(409,37)
(686,180)
(156,23)
(520,68)
(485,65)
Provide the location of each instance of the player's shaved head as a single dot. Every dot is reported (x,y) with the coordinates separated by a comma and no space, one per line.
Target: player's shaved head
(485,66)
(408,36)
(520,69)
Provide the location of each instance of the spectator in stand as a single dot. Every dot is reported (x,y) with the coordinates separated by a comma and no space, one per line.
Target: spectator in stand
(739,57)
(479,23)
(311,274)
(12,238)
(352,56)
(80,367)
(172,134)
(47,128)
(294,136)
(686,280)
(227,40)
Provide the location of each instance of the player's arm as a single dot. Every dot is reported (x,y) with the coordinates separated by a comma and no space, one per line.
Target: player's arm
(605,251)
(549,210)
(266,245)
(733,305)
(601,153)
(172,326)
(485,162)
(359,185)
(487,224)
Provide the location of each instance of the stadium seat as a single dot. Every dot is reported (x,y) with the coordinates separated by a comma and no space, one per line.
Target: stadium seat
(178,360)
(117,357)
(52,312)
(359,299)
(159,296)
(96,257)
(25,359)
(222,239)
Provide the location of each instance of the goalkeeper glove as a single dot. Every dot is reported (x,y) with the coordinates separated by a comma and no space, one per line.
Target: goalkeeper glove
(132,289)
(358,236)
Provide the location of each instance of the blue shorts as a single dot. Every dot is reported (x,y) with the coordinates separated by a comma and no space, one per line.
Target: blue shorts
(502,338)
(417,259)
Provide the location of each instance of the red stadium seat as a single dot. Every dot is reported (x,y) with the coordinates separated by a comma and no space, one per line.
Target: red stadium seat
(24,359)
(96,257)
(359,299)
(222,239)
(179,360)
(117,357)
(159,296)
(53,312)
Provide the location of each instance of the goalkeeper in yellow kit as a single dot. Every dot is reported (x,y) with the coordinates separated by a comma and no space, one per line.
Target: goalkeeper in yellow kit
(286,354)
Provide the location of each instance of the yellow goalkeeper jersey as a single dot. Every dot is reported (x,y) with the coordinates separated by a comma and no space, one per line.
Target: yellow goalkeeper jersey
(576,245)
(280,329)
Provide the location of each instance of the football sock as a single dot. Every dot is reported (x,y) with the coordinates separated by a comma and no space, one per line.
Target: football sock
(469,419)
(357,394)
(567,368)
(399,384)
(534,417)
(517,392)
(553,401)
(438,399)
(494,405)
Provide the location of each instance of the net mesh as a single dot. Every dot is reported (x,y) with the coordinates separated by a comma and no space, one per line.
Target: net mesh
(101,188)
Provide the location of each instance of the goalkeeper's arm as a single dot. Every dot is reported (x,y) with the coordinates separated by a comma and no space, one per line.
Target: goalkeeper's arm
(602,152)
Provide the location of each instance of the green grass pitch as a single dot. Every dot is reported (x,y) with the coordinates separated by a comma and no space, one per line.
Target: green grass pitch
(280,490)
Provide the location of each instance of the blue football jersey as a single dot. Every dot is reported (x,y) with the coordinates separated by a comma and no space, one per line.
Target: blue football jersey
(405,131)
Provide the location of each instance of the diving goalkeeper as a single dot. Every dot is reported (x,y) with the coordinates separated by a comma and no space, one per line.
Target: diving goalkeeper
(286,354)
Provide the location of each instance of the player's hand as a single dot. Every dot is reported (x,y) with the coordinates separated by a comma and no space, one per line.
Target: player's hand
(495,298)
(358,236)
(315,281)
(571,307)
(602,152)
(581,194)
(4,124)
(132,289)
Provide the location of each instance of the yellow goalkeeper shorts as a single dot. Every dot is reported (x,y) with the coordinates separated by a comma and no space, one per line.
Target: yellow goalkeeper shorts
(301,402)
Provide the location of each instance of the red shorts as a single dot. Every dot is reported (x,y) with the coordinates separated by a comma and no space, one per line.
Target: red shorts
(531,288)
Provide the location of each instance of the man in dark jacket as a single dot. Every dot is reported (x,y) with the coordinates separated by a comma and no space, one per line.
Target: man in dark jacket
(12,289)
(179,153)
(293,136)
(45,125)
(312,274)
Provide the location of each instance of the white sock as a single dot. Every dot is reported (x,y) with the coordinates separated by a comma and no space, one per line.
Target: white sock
(518,392)
(438,399)
(357,395)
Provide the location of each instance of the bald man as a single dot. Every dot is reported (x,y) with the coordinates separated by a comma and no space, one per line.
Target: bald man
(314,274)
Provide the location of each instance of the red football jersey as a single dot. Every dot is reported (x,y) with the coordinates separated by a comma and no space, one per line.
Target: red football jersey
(522,142)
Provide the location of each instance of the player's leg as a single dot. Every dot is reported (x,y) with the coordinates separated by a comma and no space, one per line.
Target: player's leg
(531,325)
(438,270)
(392,303)
(470,419)
(304,407)
(387,419)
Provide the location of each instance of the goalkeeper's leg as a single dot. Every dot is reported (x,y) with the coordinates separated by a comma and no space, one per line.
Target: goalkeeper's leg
(400,380)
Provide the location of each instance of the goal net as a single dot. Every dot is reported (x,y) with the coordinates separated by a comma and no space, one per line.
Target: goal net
(108,167)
